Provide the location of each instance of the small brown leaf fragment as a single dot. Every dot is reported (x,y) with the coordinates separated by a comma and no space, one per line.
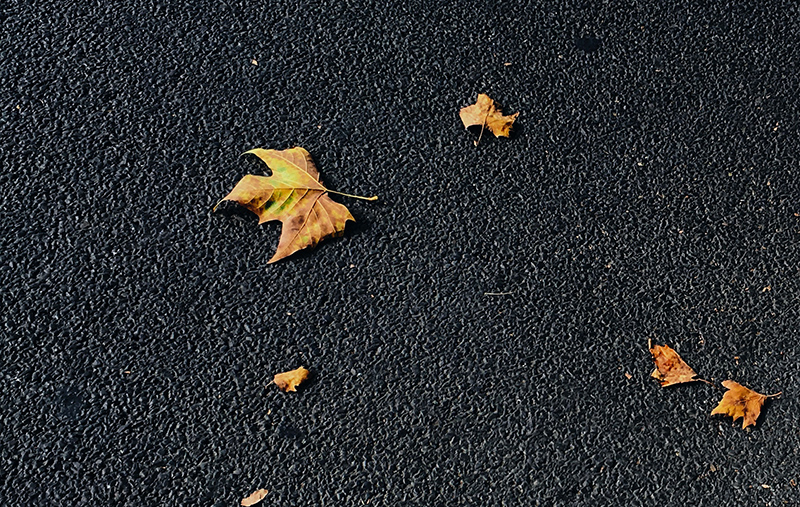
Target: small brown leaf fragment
(288,381)
(670,368)
(486,114)
(739,401)
(254,498)
(628,376)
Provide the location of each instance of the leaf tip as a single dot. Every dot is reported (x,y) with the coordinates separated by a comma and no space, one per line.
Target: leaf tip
(214,209)
(275,258)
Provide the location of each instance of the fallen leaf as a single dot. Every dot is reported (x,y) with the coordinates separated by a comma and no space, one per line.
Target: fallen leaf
(739,401)
(485,113)
(254,498)
(293,195)
(288,381)
(670,368)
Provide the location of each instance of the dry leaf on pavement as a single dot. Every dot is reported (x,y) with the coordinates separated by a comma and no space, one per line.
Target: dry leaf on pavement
(254,498)
(486,114)
(739,401)
(293,195)
(288,381)
(670,368)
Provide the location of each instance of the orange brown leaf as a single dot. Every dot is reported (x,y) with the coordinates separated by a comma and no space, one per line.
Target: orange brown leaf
(670,368)
(293,195)
(739,401)
(486,114)
(254,498)
(288,381)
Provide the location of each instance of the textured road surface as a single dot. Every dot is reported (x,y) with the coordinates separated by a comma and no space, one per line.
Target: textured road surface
(650,192)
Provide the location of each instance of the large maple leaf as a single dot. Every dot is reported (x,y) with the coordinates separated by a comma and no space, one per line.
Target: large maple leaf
(739,401)
(484,112)
(294,195)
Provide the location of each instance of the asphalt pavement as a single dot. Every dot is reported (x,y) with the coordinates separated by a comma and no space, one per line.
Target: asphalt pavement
(479,335)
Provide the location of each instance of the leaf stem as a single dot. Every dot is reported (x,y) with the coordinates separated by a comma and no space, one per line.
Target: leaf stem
(483,125)
(373,198)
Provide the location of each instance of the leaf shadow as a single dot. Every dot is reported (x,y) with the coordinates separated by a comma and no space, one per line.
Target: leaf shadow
(311,381)
(475,130)
(517,130)
(764,414)
(362,224)
(231,209)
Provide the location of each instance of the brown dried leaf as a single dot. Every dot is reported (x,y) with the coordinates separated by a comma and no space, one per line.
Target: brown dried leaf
(254,498)
(739,401)
(670,368)
(288,381)
(486,114)
(293,195)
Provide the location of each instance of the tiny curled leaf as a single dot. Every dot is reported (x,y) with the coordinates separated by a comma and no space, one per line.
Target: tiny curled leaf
(254,498)
(288,381)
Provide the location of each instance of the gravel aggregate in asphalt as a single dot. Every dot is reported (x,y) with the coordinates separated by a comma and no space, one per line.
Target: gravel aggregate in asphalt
(649,191)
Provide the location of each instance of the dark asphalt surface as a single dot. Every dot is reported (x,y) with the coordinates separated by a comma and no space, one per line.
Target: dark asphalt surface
(650,192)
